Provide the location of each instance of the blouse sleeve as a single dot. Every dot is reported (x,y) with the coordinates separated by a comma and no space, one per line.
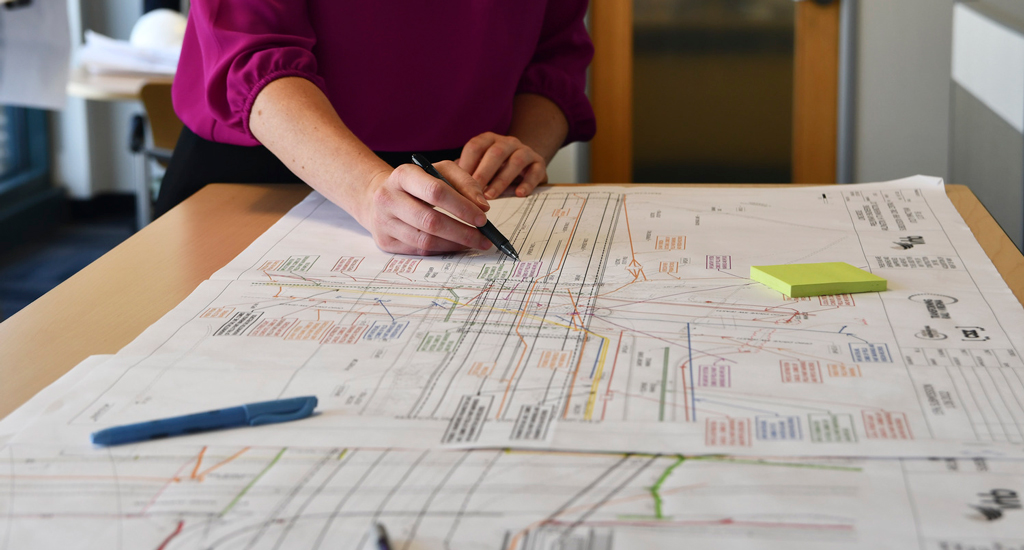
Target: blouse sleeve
(243,45)
(558,69)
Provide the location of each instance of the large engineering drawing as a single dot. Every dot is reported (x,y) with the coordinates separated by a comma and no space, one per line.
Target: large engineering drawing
(629,325)
(217,497)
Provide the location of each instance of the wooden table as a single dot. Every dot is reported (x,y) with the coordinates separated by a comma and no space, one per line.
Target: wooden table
(106,305)
(110,87)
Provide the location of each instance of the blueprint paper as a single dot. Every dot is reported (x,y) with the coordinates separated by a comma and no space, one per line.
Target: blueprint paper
(35,49)
(48,398)
(317,498)
(629,325)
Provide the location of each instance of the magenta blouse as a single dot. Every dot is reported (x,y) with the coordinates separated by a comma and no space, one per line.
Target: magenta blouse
(403,75)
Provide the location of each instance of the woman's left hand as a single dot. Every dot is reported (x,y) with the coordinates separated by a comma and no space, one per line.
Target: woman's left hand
(497,161)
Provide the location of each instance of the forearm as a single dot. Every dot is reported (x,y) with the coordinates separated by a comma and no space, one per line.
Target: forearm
(296,122)
(538,123)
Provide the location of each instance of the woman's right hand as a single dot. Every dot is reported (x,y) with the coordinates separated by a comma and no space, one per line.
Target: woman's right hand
(397,209)
(293,118)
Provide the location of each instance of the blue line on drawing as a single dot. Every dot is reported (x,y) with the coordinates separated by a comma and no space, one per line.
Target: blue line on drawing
(851,335)
(594,369)
(693,393)
(381,302)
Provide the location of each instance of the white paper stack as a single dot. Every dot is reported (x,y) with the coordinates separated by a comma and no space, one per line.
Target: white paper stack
(104,55)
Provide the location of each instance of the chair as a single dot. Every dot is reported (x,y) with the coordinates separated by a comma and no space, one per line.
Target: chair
(165,127)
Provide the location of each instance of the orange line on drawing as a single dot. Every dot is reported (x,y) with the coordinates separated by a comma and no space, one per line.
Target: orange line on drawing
(529,294)
(175,479)
(199,462)
(615,361)
(90,477)
(579,360)
(519,321)
(617,289)
(575,310)
(682,369)
(628,232)
(203,475)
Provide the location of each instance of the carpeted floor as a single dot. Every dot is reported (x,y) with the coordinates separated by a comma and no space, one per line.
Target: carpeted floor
(32,269)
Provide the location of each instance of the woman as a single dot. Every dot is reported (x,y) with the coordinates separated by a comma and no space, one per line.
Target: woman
(338,94)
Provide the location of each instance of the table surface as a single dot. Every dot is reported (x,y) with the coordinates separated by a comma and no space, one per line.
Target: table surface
(110,87)
(106,305)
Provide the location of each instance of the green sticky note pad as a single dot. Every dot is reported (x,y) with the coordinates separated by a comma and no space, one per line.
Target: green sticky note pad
(798,280)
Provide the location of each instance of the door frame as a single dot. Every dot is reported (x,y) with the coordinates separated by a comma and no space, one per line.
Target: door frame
(815,91)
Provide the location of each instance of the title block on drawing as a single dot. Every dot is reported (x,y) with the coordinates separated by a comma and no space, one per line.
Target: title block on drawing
(870,353)
(800,371)
(886,425)
(831,428)
(727,432)
(275,328)
(385,332)
(298,264)
(799,280)
(778,428)
(343,335)
(468,420)
(715,376)
(532,423)
(238,323)
(309,330)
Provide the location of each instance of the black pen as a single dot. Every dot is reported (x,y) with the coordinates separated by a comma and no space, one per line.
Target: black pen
(383,543)
(488,228)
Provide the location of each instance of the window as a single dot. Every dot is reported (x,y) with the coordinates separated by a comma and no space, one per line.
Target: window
(23,155)
(29,204)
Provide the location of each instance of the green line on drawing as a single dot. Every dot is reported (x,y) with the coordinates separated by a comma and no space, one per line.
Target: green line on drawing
(454,303)
(657,485)
(251,483)
(664,382)
(716,458)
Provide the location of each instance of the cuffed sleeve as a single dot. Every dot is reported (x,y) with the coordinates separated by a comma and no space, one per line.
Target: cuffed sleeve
(241,47)
(558,69)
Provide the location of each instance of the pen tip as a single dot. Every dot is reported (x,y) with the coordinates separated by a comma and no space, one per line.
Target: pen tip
(509,251)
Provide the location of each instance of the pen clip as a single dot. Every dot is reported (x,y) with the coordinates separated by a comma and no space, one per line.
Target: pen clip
(284,410)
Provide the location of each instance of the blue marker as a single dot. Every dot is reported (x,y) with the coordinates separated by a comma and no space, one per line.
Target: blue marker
(253,414)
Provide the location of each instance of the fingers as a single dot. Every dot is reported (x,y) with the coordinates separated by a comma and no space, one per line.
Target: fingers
(495,156)
(405,222)
(437,193)
(405,239)
(474,150)
(497,162)
(534,175)
(521,163)
(464,183)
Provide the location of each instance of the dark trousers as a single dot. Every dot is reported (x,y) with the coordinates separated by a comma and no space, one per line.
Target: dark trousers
(197,162)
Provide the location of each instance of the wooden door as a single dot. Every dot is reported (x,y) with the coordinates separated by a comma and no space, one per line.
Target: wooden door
(815,91)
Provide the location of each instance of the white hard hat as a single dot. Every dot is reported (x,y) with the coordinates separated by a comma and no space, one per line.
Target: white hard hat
(161,28)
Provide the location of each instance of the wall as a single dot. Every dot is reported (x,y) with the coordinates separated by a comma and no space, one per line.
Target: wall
(90,149)
(902,89)
(569,165)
